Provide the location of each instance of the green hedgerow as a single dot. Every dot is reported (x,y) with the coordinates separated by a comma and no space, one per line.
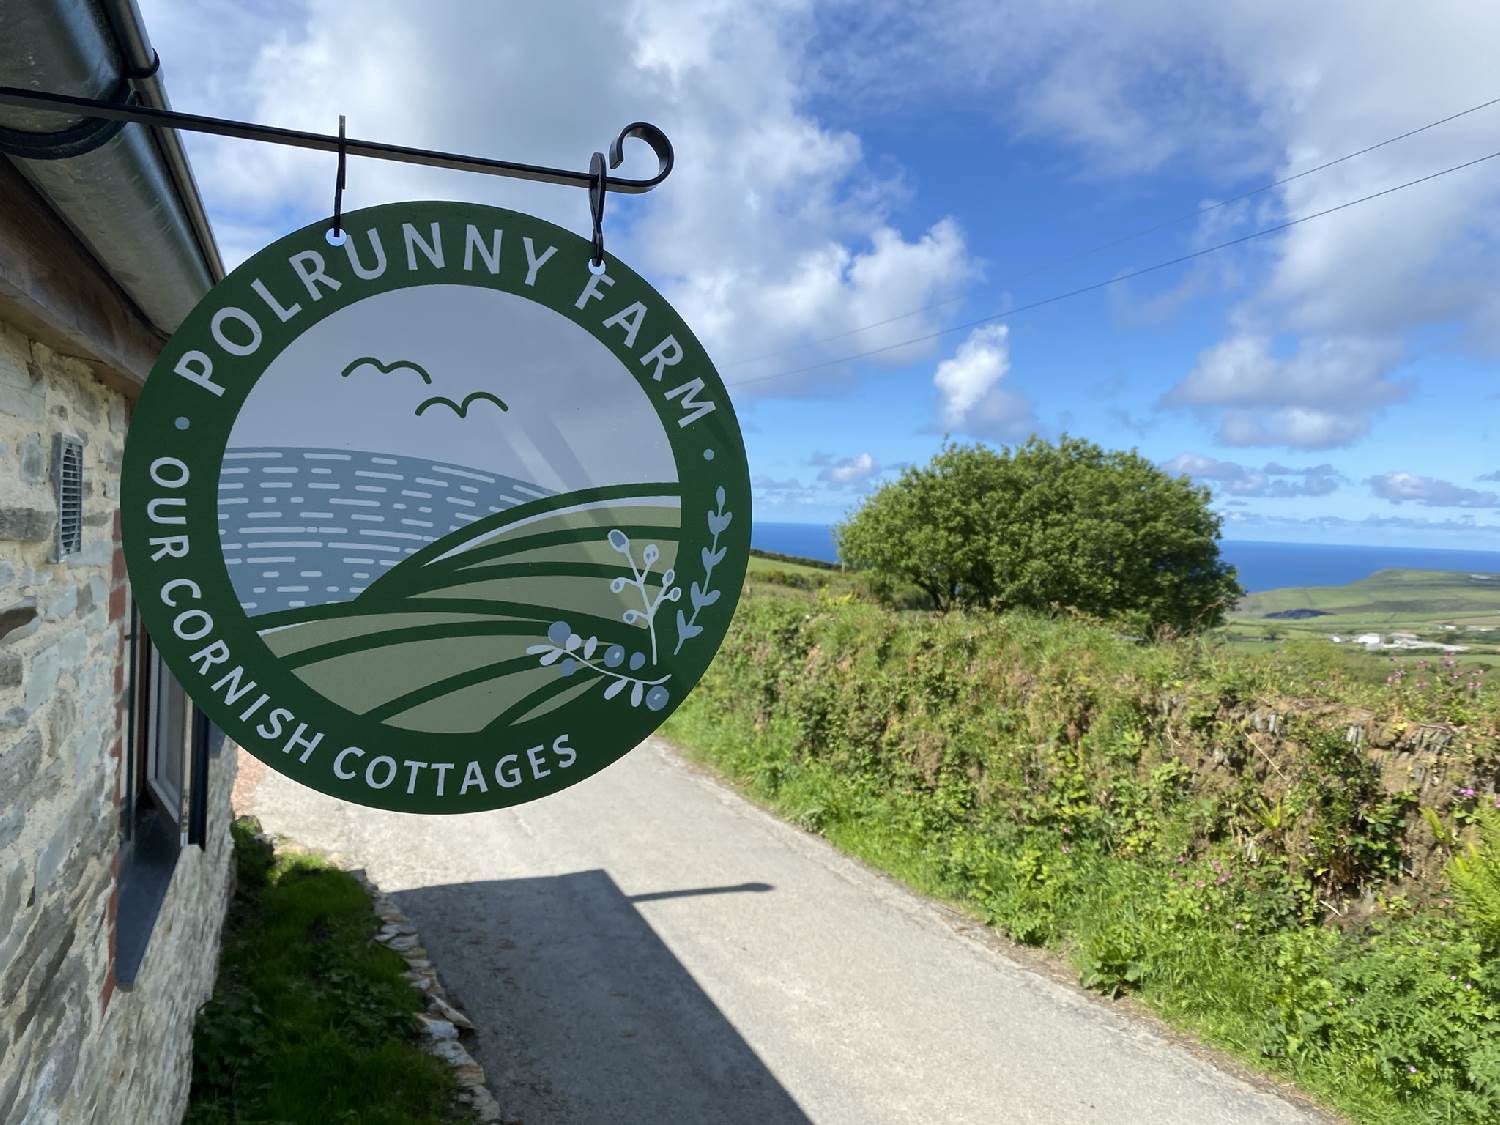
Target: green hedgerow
(1135,808)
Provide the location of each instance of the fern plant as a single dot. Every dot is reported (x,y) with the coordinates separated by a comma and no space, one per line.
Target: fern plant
(1475,875)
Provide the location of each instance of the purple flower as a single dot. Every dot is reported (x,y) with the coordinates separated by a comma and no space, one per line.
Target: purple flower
(1466,791)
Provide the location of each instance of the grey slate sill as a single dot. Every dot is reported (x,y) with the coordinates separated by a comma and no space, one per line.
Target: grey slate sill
(145,876)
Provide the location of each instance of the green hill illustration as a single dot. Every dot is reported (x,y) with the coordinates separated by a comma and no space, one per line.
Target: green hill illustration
(505,619)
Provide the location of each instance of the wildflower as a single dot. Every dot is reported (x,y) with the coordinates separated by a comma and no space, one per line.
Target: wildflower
(1412,1069)
(1066,849)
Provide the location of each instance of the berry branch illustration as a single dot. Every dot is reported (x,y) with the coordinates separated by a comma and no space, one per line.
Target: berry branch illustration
(570,652)
(667,593)
(704,596)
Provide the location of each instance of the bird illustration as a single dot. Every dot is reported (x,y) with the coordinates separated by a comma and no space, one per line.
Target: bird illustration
(460,408)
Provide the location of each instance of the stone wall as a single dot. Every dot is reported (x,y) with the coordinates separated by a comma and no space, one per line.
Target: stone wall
(75,1049)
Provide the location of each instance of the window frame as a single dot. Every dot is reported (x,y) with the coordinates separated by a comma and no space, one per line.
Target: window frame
(160,815)
(169,781)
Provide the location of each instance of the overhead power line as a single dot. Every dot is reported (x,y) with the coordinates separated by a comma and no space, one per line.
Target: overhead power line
(1082,289)
(1124,238)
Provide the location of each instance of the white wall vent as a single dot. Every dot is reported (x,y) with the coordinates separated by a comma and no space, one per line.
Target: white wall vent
(67,476)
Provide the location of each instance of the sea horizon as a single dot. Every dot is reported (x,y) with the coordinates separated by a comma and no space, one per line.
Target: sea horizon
(1262,564)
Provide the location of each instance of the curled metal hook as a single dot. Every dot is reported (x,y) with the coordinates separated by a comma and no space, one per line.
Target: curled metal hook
(643,130)
(600,182)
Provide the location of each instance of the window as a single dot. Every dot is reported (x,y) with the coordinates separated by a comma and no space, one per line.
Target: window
(164,791)
(166,732)
(168,747)
(67,479)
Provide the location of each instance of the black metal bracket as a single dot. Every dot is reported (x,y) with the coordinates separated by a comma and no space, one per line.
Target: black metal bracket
(338,186)
(596,208)
(248,131)
(75,140)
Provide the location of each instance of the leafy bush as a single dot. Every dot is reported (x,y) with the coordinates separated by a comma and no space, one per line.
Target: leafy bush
(1048,528)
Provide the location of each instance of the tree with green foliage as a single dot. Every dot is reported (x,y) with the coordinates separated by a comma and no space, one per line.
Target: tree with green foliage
(1048,527)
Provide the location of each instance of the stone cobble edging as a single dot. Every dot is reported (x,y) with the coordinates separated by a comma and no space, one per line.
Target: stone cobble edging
(443,1026)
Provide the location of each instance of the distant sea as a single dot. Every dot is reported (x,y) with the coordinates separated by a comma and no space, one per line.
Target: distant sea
(1261,566)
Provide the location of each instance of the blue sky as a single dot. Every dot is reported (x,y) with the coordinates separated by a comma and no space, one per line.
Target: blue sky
(842,165)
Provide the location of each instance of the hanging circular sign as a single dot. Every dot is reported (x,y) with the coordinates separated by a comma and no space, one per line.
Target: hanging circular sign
(438,519)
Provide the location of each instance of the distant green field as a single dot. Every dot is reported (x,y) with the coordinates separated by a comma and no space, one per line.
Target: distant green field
(1439,607)
(1390,596)
(762,566)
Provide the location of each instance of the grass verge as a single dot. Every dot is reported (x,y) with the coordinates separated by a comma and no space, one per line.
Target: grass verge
(310,1020)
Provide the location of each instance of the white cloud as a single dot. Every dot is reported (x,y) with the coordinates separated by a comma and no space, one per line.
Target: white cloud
(848,472)
(1399,487)
(972,401)
(772,231)
(1322,395)
(1295,427)
(1272,480)
(1462,532)
(781,492)
(1239,92)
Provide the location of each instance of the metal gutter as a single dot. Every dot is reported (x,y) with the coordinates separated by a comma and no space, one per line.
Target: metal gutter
(141,60)
(141,219)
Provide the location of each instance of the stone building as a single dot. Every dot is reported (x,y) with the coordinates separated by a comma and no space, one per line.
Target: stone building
(114,802)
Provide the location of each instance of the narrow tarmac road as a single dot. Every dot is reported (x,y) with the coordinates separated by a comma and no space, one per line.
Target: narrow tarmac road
(648,948)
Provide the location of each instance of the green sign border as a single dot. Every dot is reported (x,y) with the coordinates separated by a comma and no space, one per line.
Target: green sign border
(597,734)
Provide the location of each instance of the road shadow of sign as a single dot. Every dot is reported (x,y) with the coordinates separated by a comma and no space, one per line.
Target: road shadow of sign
(585,1016)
